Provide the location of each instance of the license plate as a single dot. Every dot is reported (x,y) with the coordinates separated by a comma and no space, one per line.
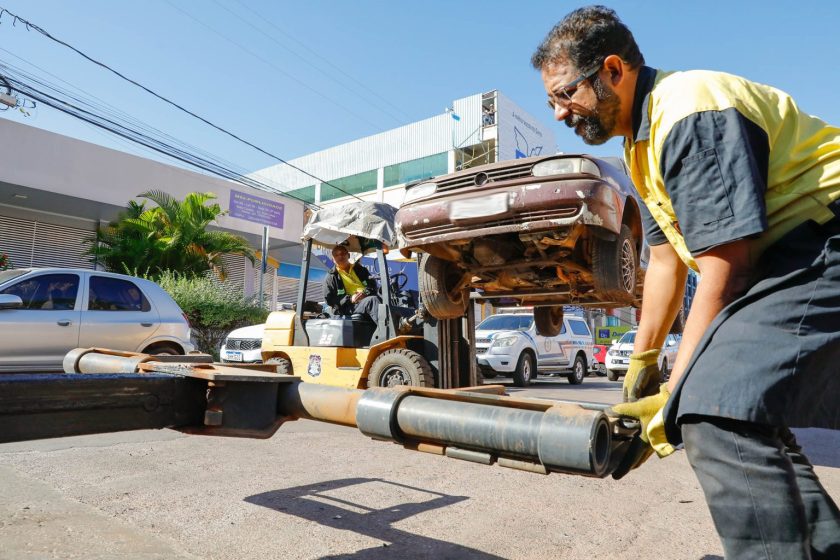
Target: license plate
(233,356)
(479,207)
(623,362)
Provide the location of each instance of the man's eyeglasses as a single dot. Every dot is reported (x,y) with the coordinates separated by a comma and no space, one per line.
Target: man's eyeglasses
(564,95)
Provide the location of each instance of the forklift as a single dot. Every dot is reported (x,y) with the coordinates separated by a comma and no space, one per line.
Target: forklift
(402,347)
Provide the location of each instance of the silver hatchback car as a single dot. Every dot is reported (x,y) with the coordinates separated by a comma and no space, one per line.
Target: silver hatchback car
(46,312)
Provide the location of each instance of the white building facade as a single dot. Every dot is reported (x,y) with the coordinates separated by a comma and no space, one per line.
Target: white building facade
(479,129)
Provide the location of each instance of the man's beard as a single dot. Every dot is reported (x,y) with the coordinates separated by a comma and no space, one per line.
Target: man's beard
(597,128)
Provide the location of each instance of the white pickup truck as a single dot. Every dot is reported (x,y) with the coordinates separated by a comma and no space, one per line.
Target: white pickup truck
(508,344)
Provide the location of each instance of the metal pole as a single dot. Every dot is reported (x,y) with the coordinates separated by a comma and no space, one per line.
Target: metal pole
(263,261)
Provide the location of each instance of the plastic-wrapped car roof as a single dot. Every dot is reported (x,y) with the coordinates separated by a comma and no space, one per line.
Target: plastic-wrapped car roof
(348,222)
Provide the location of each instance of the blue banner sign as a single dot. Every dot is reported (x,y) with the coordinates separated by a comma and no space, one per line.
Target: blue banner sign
(255,209)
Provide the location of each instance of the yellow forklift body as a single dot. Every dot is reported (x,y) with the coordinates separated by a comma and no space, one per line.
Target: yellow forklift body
(327,365)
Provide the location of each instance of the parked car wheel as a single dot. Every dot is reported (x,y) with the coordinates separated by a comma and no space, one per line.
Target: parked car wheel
(578,370)
(548,320)
(163,349)
(612,375)
(524,370)
(282,365)
(664,372)
(400,366)
(615,264)
(437,281)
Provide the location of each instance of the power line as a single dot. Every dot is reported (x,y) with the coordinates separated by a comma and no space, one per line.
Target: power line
(29,25)
(397,117)
(126,131)
(271,64)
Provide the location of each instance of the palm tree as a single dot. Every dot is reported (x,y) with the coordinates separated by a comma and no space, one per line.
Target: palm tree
(170,236)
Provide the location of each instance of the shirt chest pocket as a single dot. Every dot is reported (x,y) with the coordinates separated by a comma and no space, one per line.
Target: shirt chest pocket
(699,193)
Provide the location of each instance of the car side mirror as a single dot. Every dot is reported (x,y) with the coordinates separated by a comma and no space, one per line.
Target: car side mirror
(8,301)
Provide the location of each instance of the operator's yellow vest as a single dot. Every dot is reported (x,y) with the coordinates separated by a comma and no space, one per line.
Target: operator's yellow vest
(804,162)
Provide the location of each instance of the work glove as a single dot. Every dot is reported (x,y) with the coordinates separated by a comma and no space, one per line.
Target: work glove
(649,412)
(642,377)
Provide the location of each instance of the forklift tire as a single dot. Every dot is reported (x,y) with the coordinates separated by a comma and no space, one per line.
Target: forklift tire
(525,370)
(282,365)
(612,375)
(578,370)
(400,366)
(437,278)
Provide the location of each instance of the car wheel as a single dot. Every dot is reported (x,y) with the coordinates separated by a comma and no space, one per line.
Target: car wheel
(163,349)
(524,371)
(615,264)
(281,365)
(578,371)
(601,372)
(612,375)
(664,370)
(437,281)
(400,366)
(548,320)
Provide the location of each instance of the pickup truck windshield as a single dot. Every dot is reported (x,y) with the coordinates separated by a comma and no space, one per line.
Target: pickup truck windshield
(506,323)
(628,338)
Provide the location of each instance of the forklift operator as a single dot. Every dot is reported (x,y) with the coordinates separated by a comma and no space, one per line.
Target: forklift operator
(349,288)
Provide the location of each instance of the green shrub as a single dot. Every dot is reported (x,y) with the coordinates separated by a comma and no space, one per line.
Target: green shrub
(212,310)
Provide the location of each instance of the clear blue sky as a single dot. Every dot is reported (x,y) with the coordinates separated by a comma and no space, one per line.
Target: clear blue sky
(296,77)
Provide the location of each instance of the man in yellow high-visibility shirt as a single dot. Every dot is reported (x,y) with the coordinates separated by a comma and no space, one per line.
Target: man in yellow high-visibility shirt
(741,185)
(349,288)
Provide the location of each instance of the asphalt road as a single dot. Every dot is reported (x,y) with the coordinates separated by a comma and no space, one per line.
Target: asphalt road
(320,491)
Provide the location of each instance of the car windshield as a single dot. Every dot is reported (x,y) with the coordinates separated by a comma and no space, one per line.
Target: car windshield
(628,338)
(506,323)
(6,275)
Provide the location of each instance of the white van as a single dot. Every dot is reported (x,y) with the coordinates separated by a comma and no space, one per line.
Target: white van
(508,344)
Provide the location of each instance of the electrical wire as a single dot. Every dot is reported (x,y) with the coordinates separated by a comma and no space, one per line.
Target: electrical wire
(400,118)
(124,130)
(31,26)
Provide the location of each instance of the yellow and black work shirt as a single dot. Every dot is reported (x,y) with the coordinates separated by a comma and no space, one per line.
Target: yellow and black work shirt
(717,158)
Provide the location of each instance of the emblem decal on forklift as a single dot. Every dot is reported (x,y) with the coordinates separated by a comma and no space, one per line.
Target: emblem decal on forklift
(314,369)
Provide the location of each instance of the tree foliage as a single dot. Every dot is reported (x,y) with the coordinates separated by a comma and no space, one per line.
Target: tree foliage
(212,311)
(171,236)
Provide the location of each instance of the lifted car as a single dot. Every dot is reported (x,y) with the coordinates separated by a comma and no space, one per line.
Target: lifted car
(544,232)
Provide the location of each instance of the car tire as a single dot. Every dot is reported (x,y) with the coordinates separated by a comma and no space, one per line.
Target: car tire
(615,265)
(525,369)
(163,349)
(578,370)
(613,375)
(400,366)
(437,278)
(601,372)
(548,320)
(664,372)
(281,365)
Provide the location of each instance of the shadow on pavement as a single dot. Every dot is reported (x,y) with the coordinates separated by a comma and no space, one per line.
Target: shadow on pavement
(711,557)
(369,506)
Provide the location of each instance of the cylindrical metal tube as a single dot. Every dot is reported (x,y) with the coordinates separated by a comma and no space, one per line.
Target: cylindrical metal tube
(575,440)
(319,402)
(477,426)
(93,362)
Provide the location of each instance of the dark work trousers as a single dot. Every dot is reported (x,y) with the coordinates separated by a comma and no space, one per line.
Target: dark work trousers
(368,306)
(765,500)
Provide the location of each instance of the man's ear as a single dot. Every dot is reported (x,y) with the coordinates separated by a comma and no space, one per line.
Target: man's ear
(615,68)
